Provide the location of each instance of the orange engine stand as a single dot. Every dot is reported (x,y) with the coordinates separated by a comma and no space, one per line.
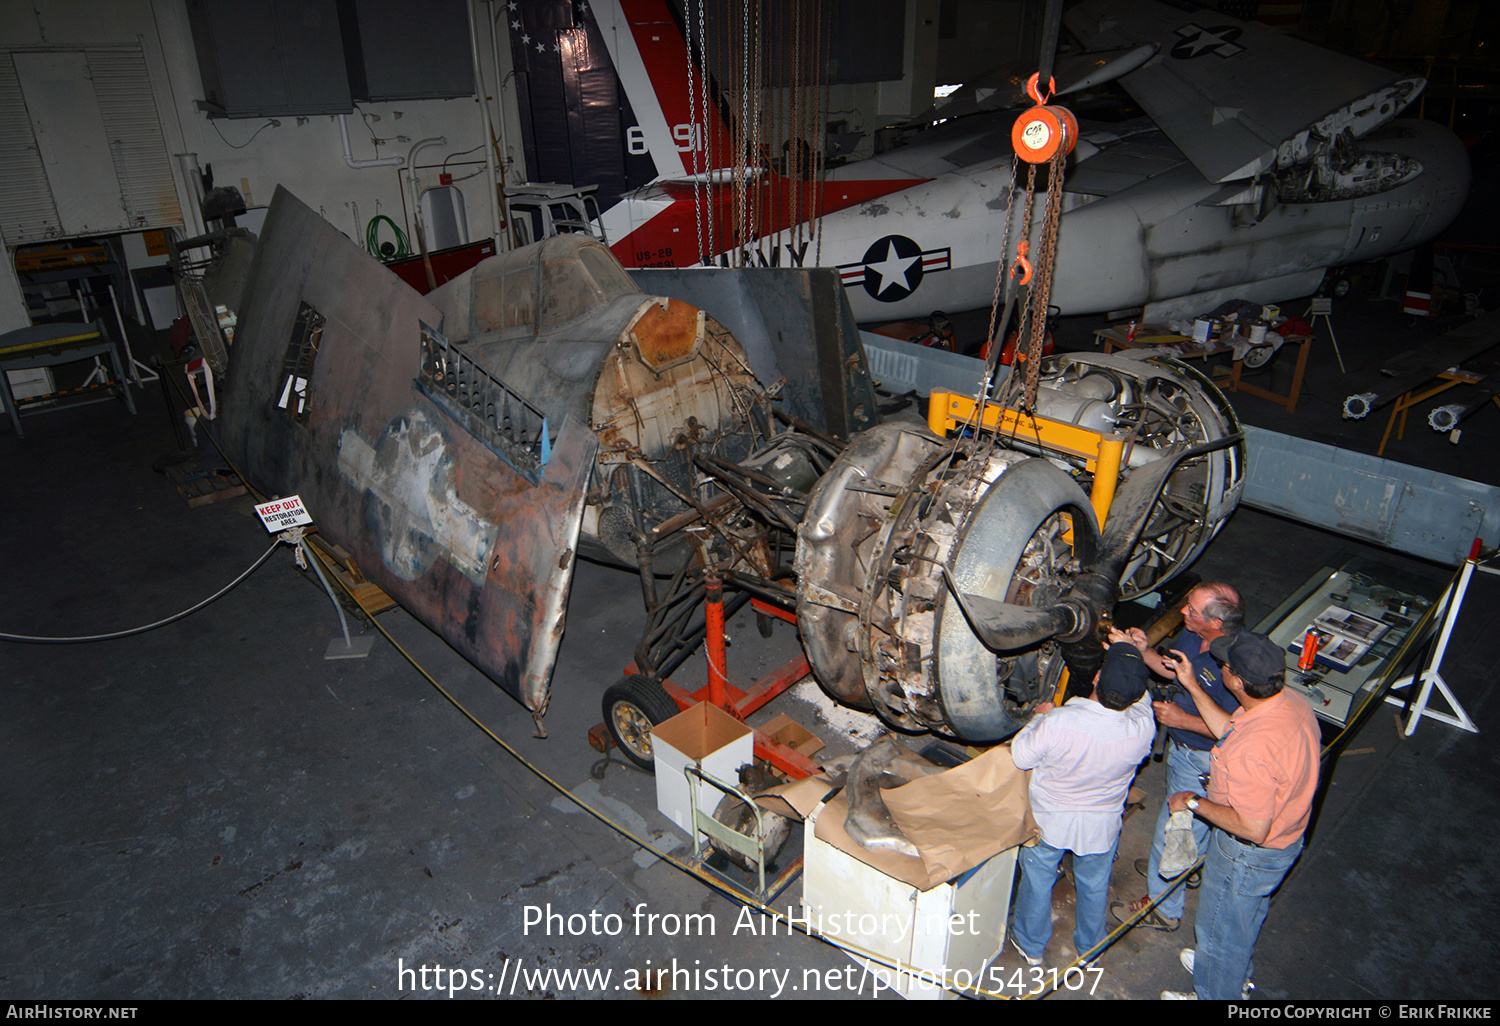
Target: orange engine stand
(741,703)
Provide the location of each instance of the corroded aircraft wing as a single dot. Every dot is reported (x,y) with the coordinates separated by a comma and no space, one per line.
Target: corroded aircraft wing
(1236,97)
(327,398)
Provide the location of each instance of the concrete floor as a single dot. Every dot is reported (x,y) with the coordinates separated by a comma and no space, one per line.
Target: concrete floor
(213,810)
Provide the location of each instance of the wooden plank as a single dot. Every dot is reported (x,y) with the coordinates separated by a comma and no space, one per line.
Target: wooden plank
(342,565)
(217,495)
(201,489)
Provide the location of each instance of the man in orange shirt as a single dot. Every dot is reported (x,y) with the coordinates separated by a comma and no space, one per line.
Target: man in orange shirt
(1260,793)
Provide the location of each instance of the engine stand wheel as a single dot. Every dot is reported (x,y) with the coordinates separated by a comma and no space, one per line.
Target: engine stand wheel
(631,708)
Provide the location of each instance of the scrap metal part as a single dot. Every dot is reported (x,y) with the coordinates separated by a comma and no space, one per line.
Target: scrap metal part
(659,380)
(739,817)
(862,776)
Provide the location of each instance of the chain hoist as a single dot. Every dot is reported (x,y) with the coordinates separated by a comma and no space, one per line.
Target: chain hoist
(1045,134)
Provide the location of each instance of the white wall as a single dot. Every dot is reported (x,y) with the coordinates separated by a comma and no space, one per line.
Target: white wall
(304,154)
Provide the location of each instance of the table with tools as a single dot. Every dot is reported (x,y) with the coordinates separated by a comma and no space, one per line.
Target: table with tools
(1184,347)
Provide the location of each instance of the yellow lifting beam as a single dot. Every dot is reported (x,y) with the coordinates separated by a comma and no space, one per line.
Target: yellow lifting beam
(1101,453)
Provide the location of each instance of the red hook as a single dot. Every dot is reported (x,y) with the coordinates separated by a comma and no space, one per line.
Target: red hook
(1023,249)
(1031,88)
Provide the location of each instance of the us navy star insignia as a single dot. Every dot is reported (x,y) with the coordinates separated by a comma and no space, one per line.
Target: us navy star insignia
(1197,41)
(893,267)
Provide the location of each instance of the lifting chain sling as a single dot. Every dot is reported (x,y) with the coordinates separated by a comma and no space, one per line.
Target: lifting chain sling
(1043,134)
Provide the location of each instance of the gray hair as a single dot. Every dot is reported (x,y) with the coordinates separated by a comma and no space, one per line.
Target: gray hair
(1224,604)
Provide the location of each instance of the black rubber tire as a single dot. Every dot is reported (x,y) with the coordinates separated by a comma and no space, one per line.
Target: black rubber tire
(631,708)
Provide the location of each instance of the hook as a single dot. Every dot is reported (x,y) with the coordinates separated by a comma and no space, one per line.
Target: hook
(1031,88)
(1023,249)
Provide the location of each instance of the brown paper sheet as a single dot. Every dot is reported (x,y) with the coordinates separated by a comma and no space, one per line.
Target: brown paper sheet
(961,817)
(830,828)
(796,799)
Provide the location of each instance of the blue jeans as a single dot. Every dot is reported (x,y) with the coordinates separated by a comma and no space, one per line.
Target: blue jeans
(1032,927)
(1183,767)
(1238,881)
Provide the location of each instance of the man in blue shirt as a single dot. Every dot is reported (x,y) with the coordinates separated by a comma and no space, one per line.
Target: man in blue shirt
(1212,610)
(1082,757)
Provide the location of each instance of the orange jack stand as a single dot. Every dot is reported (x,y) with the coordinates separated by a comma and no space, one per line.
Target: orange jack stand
(738,703)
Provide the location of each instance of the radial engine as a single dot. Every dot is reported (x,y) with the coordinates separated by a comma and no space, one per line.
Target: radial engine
(946,583)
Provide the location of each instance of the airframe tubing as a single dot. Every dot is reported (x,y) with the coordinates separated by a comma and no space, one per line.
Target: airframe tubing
(1101,453)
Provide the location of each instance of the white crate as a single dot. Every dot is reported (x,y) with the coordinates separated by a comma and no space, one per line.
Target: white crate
(901,924)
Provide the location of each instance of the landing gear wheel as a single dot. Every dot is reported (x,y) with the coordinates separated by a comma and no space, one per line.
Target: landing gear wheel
(631,708)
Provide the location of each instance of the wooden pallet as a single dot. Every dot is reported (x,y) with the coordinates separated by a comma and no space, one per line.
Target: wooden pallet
(201,487)
(369,596)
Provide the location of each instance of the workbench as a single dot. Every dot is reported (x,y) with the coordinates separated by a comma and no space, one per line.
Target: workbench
(50,345)
(1150,336)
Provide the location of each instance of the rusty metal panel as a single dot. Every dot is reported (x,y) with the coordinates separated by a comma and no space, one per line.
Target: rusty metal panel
(794,323)
(462,540)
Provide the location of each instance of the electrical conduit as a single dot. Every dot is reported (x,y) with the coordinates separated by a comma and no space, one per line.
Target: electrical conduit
(395,161)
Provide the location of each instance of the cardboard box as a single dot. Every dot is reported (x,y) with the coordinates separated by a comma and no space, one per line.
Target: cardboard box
(913,928)
(967,824)
(704,736)
(787,731)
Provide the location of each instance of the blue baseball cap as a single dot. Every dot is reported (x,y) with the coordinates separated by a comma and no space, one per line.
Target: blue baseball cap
(1254,658)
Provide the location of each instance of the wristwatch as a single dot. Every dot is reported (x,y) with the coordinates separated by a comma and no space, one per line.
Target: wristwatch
(1192,803)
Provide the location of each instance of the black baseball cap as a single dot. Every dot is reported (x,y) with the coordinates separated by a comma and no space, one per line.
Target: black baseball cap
(1124,673)
(1254,658)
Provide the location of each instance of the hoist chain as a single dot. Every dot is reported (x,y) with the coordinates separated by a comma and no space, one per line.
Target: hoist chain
(698,188)
(1041,292)
(1026,291)
(1010,199)
(708,153)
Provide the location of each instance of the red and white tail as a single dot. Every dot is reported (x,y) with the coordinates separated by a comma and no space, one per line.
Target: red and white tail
(679,123)
(704,204)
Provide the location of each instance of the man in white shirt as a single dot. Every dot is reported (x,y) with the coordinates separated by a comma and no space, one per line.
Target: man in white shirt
(1083,756)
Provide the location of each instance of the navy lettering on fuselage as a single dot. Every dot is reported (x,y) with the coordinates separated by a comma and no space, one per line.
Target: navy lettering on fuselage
(757,257)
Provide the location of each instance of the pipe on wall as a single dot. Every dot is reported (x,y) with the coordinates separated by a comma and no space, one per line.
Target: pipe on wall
(395,161)
(484,116)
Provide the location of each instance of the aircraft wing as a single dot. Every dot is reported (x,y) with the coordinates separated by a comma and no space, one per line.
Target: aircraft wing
(329,397)
(1004,88)
(1237,97)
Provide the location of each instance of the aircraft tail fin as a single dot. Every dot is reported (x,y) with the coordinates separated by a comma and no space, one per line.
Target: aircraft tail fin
(678,119)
